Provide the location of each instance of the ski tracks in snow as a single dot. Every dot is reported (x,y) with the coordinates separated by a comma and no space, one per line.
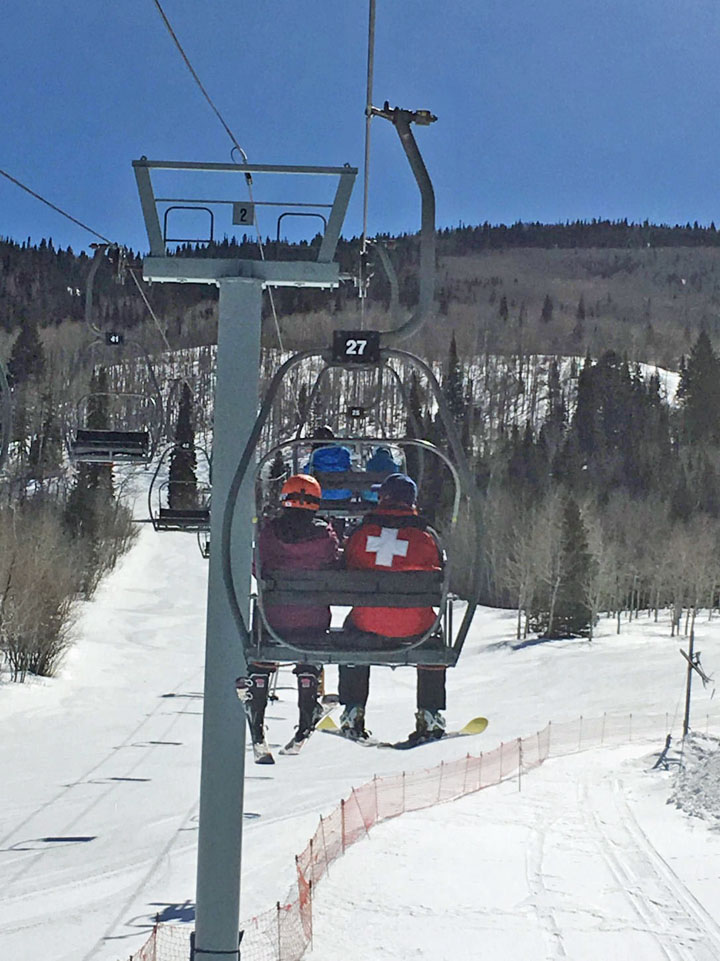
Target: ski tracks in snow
(598,886)
(664,908)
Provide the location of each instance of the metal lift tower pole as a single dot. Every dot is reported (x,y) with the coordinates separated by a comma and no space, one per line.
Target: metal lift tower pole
(241,283)
(223,740)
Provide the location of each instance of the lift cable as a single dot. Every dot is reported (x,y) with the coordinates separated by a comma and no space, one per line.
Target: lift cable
(197,80)
(152,313)
(53,206)
(90,230)
(236,146)
(105,240)
(363,279)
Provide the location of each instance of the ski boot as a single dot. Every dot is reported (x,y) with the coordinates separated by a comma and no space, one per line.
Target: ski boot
(352,723)
(429,726)
(252,691)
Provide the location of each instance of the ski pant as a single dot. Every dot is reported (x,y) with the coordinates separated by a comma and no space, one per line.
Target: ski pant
(354,686)
(308,681)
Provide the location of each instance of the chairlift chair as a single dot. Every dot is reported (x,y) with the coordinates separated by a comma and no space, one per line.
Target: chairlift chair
(191,510)
(342,588)
(367,350)
(117,442)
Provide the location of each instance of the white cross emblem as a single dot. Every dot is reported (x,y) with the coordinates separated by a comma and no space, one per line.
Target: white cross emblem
(386,547)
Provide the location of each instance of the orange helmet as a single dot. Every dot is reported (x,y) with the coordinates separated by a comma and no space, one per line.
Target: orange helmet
(302,491)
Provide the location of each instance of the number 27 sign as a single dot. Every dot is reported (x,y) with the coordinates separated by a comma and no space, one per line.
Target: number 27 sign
(356,346)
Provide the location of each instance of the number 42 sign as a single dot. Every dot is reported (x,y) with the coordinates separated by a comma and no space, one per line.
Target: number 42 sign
(356,346)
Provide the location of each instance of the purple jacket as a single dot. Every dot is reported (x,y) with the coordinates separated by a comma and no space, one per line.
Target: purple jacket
(297,541)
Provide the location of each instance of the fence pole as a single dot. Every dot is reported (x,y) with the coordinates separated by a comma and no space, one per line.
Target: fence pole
(279,936)
(479,787)
(502,748)
(377,807)
(440,780)
(322,831)
(342,824)
(403,791)
(310,906)
(465,776)
(520,762)
(312,862)
(630,731)
(549,730)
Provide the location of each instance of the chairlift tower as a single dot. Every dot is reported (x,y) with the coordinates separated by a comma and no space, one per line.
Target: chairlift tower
(240,282)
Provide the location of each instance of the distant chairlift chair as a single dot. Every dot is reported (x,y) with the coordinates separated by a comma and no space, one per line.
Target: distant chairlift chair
(191,512)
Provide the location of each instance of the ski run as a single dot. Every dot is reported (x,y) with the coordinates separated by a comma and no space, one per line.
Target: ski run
(587,861)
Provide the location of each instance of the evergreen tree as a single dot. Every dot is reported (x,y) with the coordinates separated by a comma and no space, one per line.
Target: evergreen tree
(414,426)
(27,358)
(682,502)
(699,392)
(182,486)
(562,608)
(503,311)
(572,614)
(45,453)
(90,502)
(546,314)
(453,386)
(302,402)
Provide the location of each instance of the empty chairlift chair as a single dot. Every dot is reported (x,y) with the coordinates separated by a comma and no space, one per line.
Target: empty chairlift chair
(180,504)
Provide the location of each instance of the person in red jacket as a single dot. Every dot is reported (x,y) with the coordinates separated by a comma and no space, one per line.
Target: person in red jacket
(395,538)
(294,540)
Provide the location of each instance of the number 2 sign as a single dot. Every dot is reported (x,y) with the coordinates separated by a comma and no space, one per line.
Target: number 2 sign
(244,213)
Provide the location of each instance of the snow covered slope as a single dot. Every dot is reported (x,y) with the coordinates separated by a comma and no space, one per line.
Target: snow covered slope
(101,771)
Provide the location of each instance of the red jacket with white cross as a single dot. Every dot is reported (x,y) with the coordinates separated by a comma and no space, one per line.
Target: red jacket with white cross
(395,547)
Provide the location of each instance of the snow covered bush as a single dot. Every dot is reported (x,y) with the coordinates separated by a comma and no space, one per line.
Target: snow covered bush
(38,588)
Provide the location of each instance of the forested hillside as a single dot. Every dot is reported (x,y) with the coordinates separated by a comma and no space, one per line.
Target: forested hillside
(642,290)
(601,485)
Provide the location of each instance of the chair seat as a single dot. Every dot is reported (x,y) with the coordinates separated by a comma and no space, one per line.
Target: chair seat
(109,446)
(341,647)
(170,519)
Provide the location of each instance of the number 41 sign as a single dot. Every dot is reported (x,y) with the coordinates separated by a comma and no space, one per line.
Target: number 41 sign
(356,346)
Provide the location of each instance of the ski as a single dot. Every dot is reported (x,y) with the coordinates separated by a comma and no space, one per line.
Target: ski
(476,726)
(328,702)
(328,726)
(262,753)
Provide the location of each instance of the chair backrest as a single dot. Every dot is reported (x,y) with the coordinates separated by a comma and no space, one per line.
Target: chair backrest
(353,588)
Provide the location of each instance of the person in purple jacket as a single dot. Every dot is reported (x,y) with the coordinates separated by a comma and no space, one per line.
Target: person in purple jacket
(294,540)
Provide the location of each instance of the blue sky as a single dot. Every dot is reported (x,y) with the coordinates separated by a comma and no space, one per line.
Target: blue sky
(561,110)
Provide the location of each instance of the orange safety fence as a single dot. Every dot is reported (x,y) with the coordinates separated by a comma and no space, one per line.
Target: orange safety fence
(285,932)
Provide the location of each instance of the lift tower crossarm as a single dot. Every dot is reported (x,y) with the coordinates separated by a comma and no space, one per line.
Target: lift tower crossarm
(149,201)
